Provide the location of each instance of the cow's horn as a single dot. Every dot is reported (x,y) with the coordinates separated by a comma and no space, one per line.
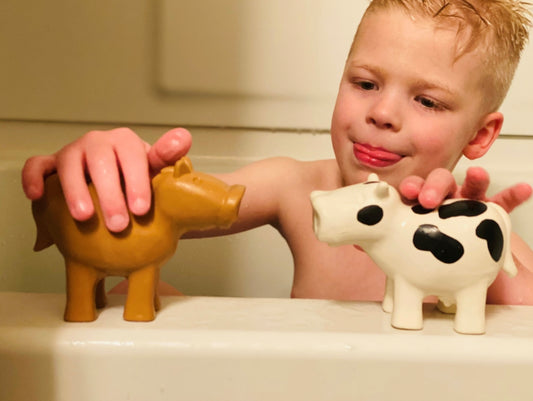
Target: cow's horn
(372,177)
(382,190)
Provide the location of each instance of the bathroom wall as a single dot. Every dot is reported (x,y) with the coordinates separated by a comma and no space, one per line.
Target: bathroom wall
(236,63)
(260,76)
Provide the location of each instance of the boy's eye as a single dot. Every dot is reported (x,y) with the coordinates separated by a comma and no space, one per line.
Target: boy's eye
(366,85)
(429,103)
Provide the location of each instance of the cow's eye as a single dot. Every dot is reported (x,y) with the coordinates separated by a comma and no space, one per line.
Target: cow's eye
(370,215)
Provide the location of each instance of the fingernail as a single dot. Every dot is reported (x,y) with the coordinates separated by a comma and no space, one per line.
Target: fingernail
(82,207)
(117,222)
(140,206)
(430,198)
(169,151)
(82,210)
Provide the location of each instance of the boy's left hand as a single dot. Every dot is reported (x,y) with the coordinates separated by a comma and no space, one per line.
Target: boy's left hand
(440,184)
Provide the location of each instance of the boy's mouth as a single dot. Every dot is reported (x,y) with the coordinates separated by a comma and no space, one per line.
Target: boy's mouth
(375,157)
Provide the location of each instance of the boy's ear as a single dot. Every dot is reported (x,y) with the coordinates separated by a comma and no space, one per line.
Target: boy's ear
(485,136)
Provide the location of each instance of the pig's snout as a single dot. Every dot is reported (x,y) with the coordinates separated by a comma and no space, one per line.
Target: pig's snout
(229,209)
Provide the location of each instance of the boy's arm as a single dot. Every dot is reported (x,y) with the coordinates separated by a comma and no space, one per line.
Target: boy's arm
(104,156)
(515,290)
(269,185)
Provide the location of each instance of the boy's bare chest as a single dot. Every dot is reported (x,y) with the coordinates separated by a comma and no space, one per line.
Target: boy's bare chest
(322,271)
(342,273)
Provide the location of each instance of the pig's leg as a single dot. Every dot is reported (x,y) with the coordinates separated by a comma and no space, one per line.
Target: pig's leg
(81,283)
(100,296)
(407,311)
(388,299)
(470,315)
(157,301)
(141,294)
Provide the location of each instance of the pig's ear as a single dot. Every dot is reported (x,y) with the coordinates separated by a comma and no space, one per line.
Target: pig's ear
(182,166)
(382,190)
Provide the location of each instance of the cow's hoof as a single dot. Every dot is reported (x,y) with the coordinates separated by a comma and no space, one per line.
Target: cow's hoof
(470,327)
(387,305)
(407,322)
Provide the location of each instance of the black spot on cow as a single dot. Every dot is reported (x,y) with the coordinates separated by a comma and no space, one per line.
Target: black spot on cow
(446,249)
(468,208)
(491,232)
(370,215)
(419,209)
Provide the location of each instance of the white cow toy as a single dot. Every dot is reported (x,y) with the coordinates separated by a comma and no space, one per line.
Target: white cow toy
(454,252)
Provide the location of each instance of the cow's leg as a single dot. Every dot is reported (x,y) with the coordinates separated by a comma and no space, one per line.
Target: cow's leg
(407,311)
(141,294)
(81,283)
(470,315)
(100,296)
(388,299)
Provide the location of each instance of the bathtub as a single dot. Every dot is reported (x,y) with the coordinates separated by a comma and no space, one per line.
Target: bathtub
(237,335)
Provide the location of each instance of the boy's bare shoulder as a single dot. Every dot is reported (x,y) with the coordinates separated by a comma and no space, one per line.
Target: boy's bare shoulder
(307,175)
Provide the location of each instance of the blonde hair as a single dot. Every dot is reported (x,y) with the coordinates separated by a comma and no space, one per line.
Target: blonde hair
(498,29)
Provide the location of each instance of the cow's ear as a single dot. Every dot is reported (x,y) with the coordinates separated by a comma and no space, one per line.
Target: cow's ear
(182,166)
(485,136)
(382,190)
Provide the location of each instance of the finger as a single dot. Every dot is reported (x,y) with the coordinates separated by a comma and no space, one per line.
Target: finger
(172,146)
(439,185)
(410,187)
(135,171)
(475,184)
(73,182)
(33,173)
(512,197)
(103,169)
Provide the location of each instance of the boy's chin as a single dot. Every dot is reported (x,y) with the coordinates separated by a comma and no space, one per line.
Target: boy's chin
(391,176)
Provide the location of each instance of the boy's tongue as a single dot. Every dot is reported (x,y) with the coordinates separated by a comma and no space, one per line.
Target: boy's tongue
(376,157)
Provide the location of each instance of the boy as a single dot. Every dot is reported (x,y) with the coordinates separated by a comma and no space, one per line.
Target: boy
(421,87)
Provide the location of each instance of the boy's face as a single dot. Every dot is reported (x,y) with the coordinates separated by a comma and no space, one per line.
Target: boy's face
(405,106)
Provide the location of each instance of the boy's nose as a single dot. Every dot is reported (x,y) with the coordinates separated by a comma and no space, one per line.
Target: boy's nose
(384,114)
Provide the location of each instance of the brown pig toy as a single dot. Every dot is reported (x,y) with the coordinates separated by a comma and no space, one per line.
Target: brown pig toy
(183,200)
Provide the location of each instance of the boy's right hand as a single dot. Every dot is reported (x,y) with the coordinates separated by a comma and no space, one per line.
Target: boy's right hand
(103,156)
(440,184)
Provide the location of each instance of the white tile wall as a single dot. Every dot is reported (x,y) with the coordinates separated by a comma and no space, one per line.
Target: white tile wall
(237,63)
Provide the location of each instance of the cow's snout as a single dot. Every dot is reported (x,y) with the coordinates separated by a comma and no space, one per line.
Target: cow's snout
(316,223)
(319,204)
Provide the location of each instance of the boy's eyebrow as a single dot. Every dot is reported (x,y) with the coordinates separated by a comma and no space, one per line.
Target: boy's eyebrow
(418,83)
(426,84)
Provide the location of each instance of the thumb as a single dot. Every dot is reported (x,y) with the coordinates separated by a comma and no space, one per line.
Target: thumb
(172,146)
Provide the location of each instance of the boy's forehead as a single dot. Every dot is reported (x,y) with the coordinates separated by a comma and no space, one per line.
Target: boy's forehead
(419,50)
(427,26)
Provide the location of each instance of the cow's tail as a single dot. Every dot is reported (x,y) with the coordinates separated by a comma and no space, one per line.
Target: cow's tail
(509,265)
